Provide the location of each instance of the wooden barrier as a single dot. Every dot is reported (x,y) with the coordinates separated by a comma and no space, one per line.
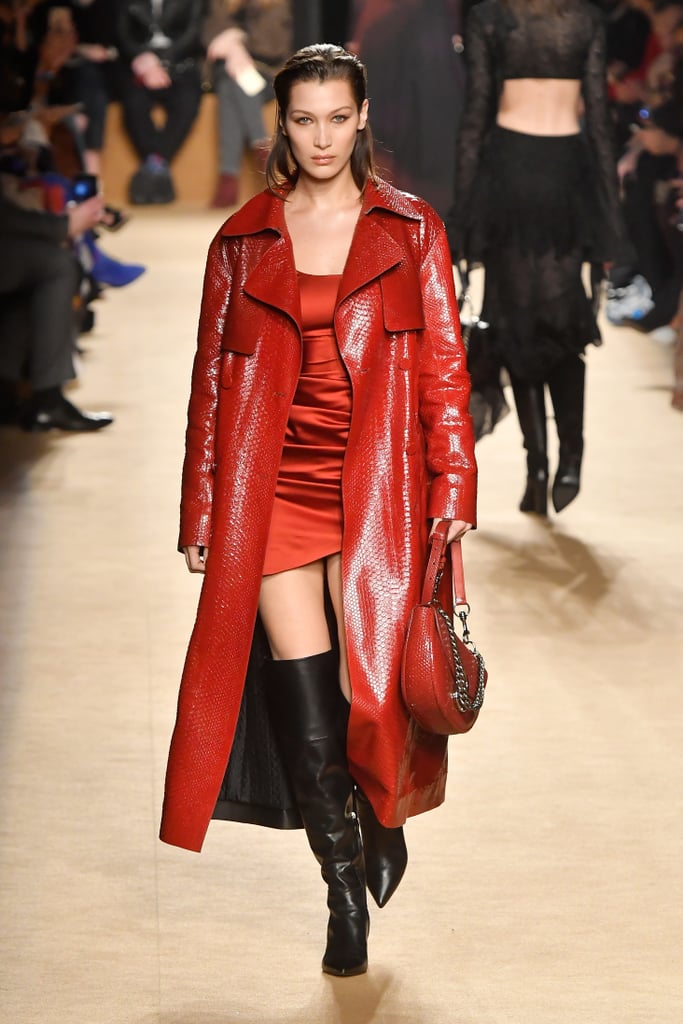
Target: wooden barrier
(195,168)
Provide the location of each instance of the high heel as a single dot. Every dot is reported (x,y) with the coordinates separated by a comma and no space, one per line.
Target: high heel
(535,497)
(567,385)
(530,405)
(303,697)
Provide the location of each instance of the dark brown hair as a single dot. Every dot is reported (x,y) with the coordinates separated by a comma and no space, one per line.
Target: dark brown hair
(322,62)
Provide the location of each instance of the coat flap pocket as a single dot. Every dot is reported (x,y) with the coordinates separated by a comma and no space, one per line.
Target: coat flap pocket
(402,299)
(243,326)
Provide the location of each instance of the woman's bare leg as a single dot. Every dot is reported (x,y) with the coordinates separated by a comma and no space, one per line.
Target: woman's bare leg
(292,607)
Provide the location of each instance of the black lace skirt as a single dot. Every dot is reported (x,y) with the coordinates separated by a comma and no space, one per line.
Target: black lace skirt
(533,223)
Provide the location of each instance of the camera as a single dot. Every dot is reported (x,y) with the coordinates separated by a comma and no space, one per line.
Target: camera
(84,186)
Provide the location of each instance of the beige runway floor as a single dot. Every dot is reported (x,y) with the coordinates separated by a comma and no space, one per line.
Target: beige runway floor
(547,890)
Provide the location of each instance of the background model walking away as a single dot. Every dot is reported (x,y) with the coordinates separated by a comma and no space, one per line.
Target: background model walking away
(535,199)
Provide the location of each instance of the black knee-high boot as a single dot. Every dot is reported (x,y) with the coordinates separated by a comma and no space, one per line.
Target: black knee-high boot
(303,696)
(530,404)
(384,849)
(386,855)
(567,386)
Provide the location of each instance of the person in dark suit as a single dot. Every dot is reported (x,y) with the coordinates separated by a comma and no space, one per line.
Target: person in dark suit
(160,43)
(38,280)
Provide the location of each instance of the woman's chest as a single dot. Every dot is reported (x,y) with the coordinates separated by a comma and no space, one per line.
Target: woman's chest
(321,244)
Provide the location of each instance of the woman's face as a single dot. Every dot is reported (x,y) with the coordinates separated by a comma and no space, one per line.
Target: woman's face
(321,123)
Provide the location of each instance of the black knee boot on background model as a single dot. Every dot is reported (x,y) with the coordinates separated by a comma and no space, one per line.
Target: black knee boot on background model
(303,697)
(530,404)
(567,385)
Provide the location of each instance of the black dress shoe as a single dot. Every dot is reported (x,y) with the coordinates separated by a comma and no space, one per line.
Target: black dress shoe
(65,416)
(140,188)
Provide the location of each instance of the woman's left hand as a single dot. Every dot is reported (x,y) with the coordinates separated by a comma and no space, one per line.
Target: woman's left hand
(456,531)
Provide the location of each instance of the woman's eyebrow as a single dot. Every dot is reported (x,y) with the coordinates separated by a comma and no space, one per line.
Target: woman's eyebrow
(338,110)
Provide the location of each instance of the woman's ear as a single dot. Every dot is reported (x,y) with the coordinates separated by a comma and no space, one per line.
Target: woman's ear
(363,116)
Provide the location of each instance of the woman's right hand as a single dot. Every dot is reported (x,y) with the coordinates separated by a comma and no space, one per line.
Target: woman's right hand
(196,557)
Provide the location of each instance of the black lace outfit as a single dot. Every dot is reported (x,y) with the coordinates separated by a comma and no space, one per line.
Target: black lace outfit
(532,209)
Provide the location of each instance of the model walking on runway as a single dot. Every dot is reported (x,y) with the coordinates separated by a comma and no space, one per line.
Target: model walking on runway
(328,431)
(535,199)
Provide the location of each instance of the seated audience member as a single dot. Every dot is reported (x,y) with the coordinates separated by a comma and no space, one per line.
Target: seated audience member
(40,84)
(38,281)
(97,72)
(247,41)
(631,46)
(160,45)
(664,137)
(646,295)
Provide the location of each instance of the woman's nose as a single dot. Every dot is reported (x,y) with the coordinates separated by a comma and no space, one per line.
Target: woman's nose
(322,139)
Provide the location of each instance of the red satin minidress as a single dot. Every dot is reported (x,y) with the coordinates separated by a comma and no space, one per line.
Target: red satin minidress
(307,514)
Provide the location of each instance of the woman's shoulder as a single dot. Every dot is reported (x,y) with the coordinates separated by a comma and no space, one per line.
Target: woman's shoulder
(382,194)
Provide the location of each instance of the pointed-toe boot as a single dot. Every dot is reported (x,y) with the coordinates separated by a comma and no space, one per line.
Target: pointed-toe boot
(384,850)
(303,697)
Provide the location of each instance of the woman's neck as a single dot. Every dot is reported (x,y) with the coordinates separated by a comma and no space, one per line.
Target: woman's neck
(325,195)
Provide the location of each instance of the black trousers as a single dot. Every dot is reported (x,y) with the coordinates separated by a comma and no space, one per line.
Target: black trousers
(180,103)
(38,280)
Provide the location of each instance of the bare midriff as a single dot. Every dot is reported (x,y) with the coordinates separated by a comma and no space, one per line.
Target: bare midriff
(540,106)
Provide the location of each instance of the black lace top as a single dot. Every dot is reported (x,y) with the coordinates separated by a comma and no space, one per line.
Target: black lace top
(568,44)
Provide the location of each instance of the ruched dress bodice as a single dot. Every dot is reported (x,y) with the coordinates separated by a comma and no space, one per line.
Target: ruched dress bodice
(307,513)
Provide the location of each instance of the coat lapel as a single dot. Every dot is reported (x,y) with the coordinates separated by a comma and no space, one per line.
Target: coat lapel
(374,250)
(273,279)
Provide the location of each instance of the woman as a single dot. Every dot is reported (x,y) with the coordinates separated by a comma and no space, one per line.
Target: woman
(328,320)
(248,40)
(535,199)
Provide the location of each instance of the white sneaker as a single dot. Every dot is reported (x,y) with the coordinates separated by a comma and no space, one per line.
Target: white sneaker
(632,302)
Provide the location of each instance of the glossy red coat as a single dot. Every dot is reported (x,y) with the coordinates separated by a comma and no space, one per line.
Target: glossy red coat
(410,457)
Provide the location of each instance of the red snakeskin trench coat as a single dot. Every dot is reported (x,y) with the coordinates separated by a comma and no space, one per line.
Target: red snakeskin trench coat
(410,457)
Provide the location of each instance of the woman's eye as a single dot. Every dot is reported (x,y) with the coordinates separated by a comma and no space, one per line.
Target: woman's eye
(303,120)
(340,118)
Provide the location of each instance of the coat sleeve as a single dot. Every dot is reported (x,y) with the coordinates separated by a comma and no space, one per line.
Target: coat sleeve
(481,101)
(199,466)
(444,386)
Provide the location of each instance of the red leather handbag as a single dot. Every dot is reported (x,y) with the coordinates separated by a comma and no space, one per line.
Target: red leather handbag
(443,676)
